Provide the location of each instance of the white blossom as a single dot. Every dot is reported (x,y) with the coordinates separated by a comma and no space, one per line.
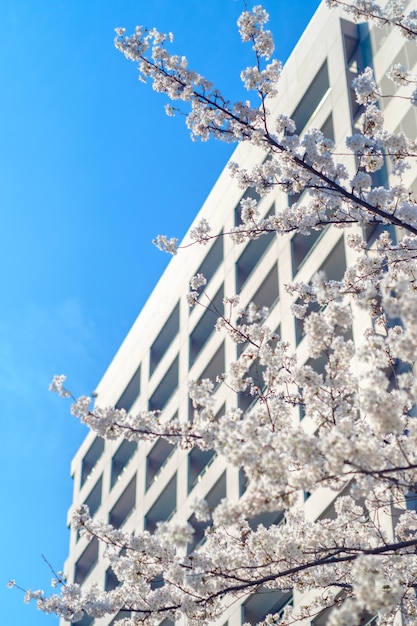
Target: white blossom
(198,281)
(339,418)
(57,386)
(165,244)
(399,74)
(361,181)
(201,232)
(365,87)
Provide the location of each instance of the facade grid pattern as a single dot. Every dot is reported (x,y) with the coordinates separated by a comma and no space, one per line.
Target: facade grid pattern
(136,485)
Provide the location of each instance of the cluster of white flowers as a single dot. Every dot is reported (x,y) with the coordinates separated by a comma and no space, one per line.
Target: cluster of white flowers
(365,87)
(357,433)
(201,232)
(391,13)
(280,458)
(165,244)
(251,28)
(57,386)
(361,181)
(372,121)
(192,298)
(264,81)
(210,113)
(198,281)
(399,74)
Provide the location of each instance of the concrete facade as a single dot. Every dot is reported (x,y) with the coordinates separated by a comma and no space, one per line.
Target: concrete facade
(136,486)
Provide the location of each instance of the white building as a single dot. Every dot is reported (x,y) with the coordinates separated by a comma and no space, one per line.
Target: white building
(137,486)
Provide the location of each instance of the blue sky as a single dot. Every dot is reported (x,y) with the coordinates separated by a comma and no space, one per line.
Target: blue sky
(91,170)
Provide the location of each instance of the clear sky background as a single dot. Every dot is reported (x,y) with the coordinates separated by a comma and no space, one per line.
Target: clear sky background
(91,170)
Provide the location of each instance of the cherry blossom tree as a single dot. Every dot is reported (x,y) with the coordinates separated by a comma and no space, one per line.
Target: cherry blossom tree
(364,442)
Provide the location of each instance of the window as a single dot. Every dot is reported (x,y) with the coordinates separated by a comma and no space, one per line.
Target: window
(87,620)
(250,257)
(199,533)
(374,229)
(157,581)
(302,246)
(111,581)
(213,498)
(164,339)
(352,48)
(249,193)
(246,399)
(411,500)
(86,562)
(165,389)
(213,259)
(335,264)
(121,615)
(131,393)
(366,619)
(354,63)
(243,482)
(157,459)
(318,364)
(89,461)
(263,603)
(199,460)
(124,506)
(205,327)
(334,268)
(312,99)
(164,507)
(121,459)
(312,307)
(215,367)
(322,618)
(328,132)
(267,519)
(328,129)
(267,294)
(330,512)
(93,500)
(198,463)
